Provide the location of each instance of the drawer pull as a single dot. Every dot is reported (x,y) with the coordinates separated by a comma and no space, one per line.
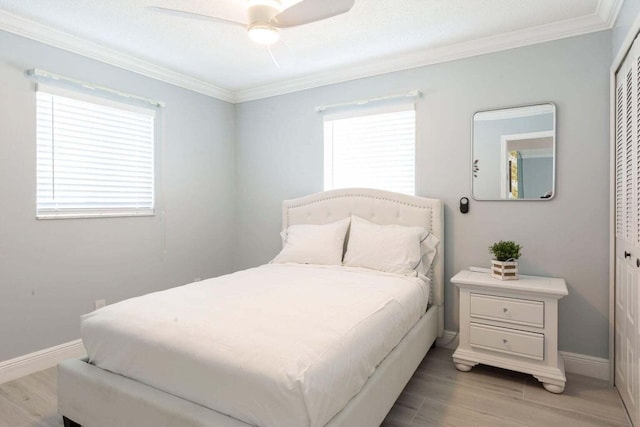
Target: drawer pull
(505,309)
(504,340)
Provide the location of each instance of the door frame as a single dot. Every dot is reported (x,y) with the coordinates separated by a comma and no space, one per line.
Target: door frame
(504,155)
(633,33)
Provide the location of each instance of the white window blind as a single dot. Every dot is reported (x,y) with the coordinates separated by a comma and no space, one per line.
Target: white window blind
(95,157)
(375,150)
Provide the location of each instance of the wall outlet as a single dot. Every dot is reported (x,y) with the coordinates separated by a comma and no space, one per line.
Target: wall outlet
(99,303)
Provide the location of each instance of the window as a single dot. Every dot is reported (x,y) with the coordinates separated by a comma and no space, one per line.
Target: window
(95,157)
(374,149)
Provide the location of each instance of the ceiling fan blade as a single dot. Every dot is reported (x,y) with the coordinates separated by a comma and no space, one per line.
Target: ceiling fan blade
(308,11)
(194,15)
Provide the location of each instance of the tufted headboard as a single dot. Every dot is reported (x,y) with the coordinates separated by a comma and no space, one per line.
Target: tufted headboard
(381,207)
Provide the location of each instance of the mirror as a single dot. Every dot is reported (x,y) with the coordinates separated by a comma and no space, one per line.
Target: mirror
(513,153)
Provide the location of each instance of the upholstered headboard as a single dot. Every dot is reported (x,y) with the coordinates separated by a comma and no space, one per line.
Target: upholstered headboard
(381,207)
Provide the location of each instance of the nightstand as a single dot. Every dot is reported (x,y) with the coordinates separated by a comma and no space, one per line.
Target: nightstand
(511,324)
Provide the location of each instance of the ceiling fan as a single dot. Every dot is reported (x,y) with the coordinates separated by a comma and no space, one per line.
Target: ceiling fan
(264,18)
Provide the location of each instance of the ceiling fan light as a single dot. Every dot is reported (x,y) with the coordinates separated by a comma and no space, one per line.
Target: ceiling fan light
(263,34)
(275,4)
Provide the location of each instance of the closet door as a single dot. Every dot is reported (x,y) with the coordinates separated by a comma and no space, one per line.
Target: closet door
(627,148)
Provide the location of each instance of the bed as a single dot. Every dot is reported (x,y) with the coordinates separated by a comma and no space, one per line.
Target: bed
(91,394)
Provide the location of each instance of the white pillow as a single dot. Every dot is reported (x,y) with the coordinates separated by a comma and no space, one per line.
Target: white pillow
(391,248)
(314,244)
(429,246)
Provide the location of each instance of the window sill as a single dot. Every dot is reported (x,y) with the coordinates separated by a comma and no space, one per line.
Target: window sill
(88,215)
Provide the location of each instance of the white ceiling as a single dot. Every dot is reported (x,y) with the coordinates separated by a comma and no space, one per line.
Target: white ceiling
(374,37)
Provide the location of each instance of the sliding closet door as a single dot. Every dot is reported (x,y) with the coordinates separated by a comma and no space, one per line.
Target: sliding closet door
(627,149)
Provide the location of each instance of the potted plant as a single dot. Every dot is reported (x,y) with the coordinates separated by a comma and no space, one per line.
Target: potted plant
(504,266)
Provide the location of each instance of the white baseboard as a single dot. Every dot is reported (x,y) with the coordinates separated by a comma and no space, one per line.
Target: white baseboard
(589,366)
(39,360)
(448,340)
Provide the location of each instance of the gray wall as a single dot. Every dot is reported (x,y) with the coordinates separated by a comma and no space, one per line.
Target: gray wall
(628,13)
(279,155)
(537,176)
(51,271)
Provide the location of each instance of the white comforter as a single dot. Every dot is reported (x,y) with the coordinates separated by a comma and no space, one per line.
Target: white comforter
(278,345)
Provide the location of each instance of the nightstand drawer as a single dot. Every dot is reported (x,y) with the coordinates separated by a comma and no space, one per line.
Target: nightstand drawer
(510,341)
(512,310)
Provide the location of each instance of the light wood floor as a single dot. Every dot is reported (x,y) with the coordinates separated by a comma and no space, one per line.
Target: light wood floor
(437,395)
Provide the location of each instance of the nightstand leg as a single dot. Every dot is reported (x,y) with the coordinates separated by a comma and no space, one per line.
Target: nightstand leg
(551,385)
(553,388)
(462,364)
(463,367)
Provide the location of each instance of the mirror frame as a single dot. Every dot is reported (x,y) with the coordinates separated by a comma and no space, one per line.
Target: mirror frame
(554,149)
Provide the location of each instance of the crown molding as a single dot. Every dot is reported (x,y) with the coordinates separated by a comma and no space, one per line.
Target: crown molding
(608,11)
(42,33)
(525,37)
(602,19)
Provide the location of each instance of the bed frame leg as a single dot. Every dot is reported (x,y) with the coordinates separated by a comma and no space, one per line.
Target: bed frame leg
(68,423)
